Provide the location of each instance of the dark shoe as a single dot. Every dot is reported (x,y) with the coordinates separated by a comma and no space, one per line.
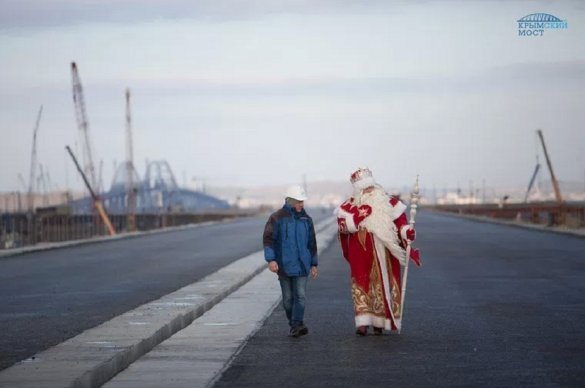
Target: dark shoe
(303,330)
(362,331)
(295,332)
(378,331)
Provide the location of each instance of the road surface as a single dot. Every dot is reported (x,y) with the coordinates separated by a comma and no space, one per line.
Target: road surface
(49,296)
(493,305)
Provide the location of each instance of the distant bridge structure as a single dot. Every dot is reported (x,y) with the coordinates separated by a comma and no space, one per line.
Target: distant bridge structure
(158,192)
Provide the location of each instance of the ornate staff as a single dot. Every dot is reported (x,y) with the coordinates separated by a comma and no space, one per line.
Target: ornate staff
(414,197)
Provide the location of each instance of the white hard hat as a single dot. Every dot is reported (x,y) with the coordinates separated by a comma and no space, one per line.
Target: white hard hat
(296,192)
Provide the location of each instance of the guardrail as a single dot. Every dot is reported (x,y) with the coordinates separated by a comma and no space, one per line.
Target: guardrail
(22,229)
(571,215)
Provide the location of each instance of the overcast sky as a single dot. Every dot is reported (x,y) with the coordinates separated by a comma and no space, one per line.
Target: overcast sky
(261,92)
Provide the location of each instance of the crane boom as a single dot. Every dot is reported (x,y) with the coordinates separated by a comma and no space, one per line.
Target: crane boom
(96,200)
(553,178)
(33,163)
(531,182)
(83,126)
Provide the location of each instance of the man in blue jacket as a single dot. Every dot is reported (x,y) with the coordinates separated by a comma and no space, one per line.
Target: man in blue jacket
(290,248)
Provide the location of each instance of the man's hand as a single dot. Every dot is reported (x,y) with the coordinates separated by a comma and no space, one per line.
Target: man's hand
(314,272)
(273,266)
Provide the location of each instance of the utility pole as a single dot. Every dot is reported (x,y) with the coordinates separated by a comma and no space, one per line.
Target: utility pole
(33,164)
(130,189)
(43,184)
(555,183)
(31,229)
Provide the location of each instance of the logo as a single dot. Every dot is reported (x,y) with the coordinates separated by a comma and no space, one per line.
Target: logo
(535,24)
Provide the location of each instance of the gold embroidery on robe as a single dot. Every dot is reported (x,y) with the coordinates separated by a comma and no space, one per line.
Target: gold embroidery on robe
(377,290)
(372,301)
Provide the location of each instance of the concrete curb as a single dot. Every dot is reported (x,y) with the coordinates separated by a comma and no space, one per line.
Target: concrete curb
(198,355)
(96,355)
(194,356)
(540,228)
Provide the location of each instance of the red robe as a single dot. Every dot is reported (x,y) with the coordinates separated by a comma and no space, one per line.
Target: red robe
(375,281)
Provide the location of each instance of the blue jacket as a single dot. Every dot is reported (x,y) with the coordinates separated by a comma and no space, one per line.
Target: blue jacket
(289,238)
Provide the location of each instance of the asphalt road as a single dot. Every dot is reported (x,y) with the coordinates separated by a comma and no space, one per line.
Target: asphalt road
(492,305)
(47,297)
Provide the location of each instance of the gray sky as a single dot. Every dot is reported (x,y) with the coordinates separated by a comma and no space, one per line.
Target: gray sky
(261,92)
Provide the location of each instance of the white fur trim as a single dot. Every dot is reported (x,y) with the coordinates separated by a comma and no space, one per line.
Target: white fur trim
(399,208)
(382,322)
(372,320)
(348,217)
(363,320)
(404,230)
(364,183)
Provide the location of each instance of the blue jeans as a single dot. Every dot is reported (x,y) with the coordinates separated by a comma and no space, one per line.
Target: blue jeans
(293,297)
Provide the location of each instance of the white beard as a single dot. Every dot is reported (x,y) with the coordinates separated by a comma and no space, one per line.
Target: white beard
(380,222)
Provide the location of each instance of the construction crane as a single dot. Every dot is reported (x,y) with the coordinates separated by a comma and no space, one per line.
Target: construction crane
(555,183)
(131,191)
(83,126)
(33,164)
(96,200)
